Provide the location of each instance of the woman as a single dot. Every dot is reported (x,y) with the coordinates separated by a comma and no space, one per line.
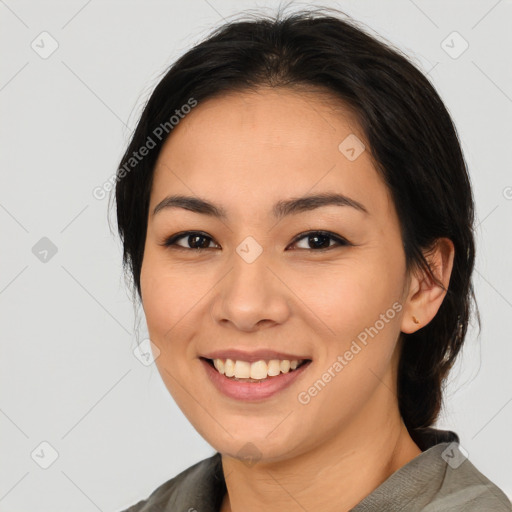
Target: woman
(297,218)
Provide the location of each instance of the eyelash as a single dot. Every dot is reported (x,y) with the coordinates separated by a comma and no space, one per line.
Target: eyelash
(171,241)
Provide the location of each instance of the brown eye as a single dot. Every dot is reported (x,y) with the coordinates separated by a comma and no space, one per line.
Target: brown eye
(320,240)
(193,240)
(197,241)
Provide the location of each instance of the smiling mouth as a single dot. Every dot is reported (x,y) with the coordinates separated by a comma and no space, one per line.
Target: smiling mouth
(257,371)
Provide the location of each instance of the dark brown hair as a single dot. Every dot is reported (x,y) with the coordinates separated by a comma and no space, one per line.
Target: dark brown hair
(411,138)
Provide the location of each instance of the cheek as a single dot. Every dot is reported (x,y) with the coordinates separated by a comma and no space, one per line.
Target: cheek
(352,296)
(361,305)
(168,296)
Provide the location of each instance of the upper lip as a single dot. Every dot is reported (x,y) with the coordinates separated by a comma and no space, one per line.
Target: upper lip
(253,356)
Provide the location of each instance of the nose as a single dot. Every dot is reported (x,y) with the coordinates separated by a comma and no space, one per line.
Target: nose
(251,296)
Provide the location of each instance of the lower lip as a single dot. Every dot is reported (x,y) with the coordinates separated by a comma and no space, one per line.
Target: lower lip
(251,391)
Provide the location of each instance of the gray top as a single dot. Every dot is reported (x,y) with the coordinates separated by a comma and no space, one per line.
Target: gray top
(440,479)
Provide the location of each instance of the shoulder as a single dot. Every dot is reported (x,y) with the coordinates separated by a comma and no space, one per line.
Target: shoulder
(464,488)
(193,487)
(440,479)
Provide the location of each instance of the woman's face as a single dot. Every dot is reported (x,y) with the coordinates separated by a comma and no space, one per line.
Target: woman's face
(257,289)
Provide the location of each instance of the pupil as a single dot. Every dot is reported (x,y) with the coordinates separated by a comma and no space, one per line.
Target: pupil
(194,237)
(316,237)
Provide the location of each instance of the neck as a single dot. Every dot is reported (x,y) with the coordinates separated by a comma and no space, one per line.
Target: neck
(334,476)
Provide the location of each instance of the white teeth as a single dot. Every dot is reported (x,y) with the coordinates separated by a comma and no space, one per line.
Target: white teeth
(229,368)
(258,370)
(285,366)
(242,369)
(273,368)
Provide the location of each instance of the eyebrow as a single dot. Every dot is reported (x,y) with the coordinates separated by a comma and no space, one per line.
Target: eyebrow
(280,209)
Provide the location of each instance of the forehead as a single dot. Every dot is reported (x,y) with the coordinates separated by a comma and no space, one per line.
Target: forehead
(254,148)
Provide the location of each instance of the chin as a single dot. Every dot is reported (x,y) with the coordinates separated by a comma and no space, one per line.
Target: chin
(257,448)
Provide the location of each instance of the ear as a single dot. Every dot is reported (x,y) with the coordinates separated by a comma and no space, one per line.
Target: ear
(424,296)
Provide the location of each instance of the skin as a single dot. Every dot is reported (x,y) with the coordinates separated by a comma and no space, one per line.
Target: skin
(245,151)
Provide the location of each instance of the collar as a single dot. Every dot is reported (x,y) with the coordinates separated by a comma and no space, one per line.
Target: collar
(414,485)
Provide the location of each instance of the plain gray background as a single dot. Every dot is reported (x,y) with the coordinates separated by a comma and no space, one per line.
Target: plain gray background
(68,373)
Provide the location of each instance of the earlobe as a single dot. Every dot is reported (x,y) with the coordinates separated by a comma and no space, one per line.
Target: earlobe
(425,294)
(410,321)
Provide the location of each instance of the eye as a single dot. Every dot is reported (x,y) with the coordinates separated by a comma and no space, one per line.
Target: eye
(195,240)
(320,240)
(198,241)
